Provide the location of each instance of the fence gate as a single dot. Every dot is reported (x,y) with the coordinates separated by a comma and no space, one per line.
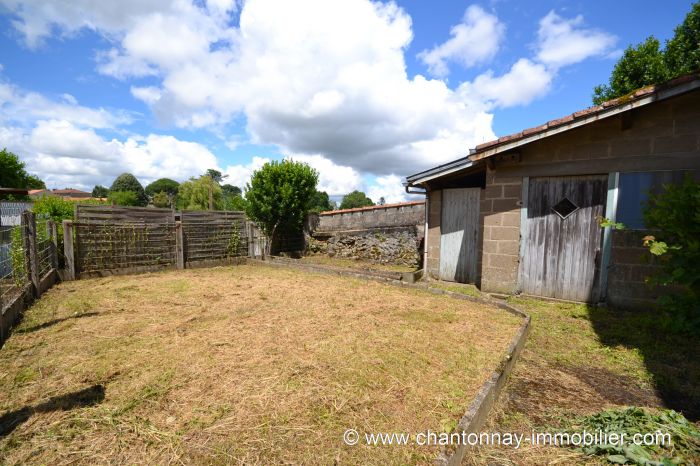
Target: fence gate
(562,237)
(459,234)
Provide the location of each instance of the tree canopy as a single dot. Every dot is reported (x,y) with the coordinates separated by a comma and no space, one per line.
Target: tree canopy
(648,63)
(216,175)
(356,199)
(100,191)
(126,182)
(194,194)
(279,195)
(125,198)
(320,202)
(162,185)
(14,175)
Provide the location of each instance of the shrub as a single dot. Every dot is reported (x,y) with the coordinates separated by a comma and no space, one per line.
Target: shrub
(124,198)
(674,217)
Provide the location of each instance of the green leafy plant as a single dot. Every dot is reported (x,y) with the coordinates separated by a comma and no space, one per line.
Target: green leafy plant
(124,198)
(278,197)
(198,193)
(684,446)
(126,182)
(356,199)
(648,63)
(605,222)
(674,217)
(19,270)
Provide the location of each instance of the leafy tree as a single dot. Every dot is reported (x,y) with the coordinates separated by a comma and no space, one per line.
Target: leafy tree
(382,201)
(196,193)
(124,198)
(100,191)
(33,182)
(320,202)
(161,199)
(683,50)
(674,218)
(165,185)
(216,175)
(639,66)
(14,175)
(230,190)
(356,199)
(648,63)
(126,182)
(279,196)
(235,203)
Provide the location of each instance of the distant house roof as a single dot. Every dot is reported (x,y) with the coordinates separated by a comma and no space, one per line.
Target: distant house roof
(70,192)
(639,98)
(372,207)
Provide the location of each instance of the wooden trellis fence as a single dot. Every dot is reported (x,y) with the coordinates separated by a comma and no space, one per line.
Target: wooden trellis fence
(106,240)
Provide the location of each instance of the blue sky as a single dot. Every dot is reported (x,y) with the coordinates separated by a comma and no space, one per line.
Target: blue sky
(367,93)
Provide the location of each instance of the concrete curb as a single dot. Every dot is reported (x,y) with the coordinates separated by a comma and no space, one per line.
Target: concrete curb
(477,412)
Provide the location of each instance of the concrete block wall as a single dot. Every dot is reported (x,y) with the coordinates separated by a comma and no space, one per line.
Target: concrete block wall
(500,220)
(630,265)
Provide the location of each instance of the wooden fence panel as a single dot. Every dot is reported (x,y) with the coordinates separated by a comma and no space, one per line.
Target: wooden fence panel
(213,235)
(118,214)
(102,249)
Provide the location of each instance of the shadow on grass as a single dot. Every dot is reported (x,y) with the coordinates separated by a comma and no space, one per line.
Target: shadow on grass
(673,360)
(53,322)
(86,397)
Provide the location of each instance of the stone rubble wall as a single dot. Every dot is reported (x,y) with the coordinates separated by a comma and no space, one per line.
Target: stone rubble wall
(390,234)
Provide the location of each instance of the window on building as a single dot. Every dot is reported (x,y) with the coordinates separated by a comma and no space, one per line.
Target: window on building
(634,190)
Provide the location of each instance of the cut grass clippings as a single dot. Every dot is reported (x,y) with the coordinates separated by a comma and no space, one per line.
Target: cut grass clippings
(244,364)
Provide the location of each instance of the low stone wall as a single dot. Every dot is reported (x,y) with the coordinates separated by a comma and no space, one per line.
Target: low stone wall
(398,245)
(388,234)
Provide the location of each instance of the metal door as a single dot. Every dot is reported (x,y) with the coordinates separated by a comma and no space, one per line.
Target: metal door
(459,228)
(562,237)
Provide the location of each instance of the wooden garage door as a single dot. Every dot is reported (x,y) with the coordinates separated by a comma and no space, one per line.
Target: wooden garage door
(459,228)
(562,237)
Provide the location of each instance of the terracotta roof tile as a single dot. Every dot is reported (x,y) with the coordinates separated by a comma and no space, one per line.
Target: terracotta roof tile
(639,93)
(534,129)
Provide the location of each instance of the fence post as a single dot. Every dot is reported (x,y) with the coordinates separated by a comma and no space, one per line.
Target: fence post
(53,235)
(179,245)
(68,249)
(29,241)
(249,236)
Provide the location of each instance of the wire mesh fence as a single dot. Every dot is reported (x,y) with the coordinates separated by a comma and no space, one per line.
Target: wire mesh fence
(45,247)
(13,267)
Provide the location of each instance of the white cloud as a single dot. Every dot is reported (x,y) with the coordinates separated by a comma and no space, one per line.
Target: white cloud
(475,40)
(22,106)
(326,80)
(239,175)
(389,187)
(65,155)
(334,179)
(523,83)
(564,42)
(148,94)
(331,80)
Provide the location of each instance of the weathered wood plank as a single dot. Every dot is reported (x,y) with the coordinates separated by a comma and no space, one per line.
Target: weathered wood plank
(459,234)
(560,258)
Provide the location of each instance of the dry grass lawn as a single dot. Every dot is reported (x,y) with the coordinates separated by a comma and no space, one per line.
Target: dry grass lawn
(244,364)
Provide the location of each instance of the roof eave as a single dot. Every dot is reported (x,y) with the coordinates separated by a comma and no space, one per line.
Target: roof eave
(662,94)
(439,171)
